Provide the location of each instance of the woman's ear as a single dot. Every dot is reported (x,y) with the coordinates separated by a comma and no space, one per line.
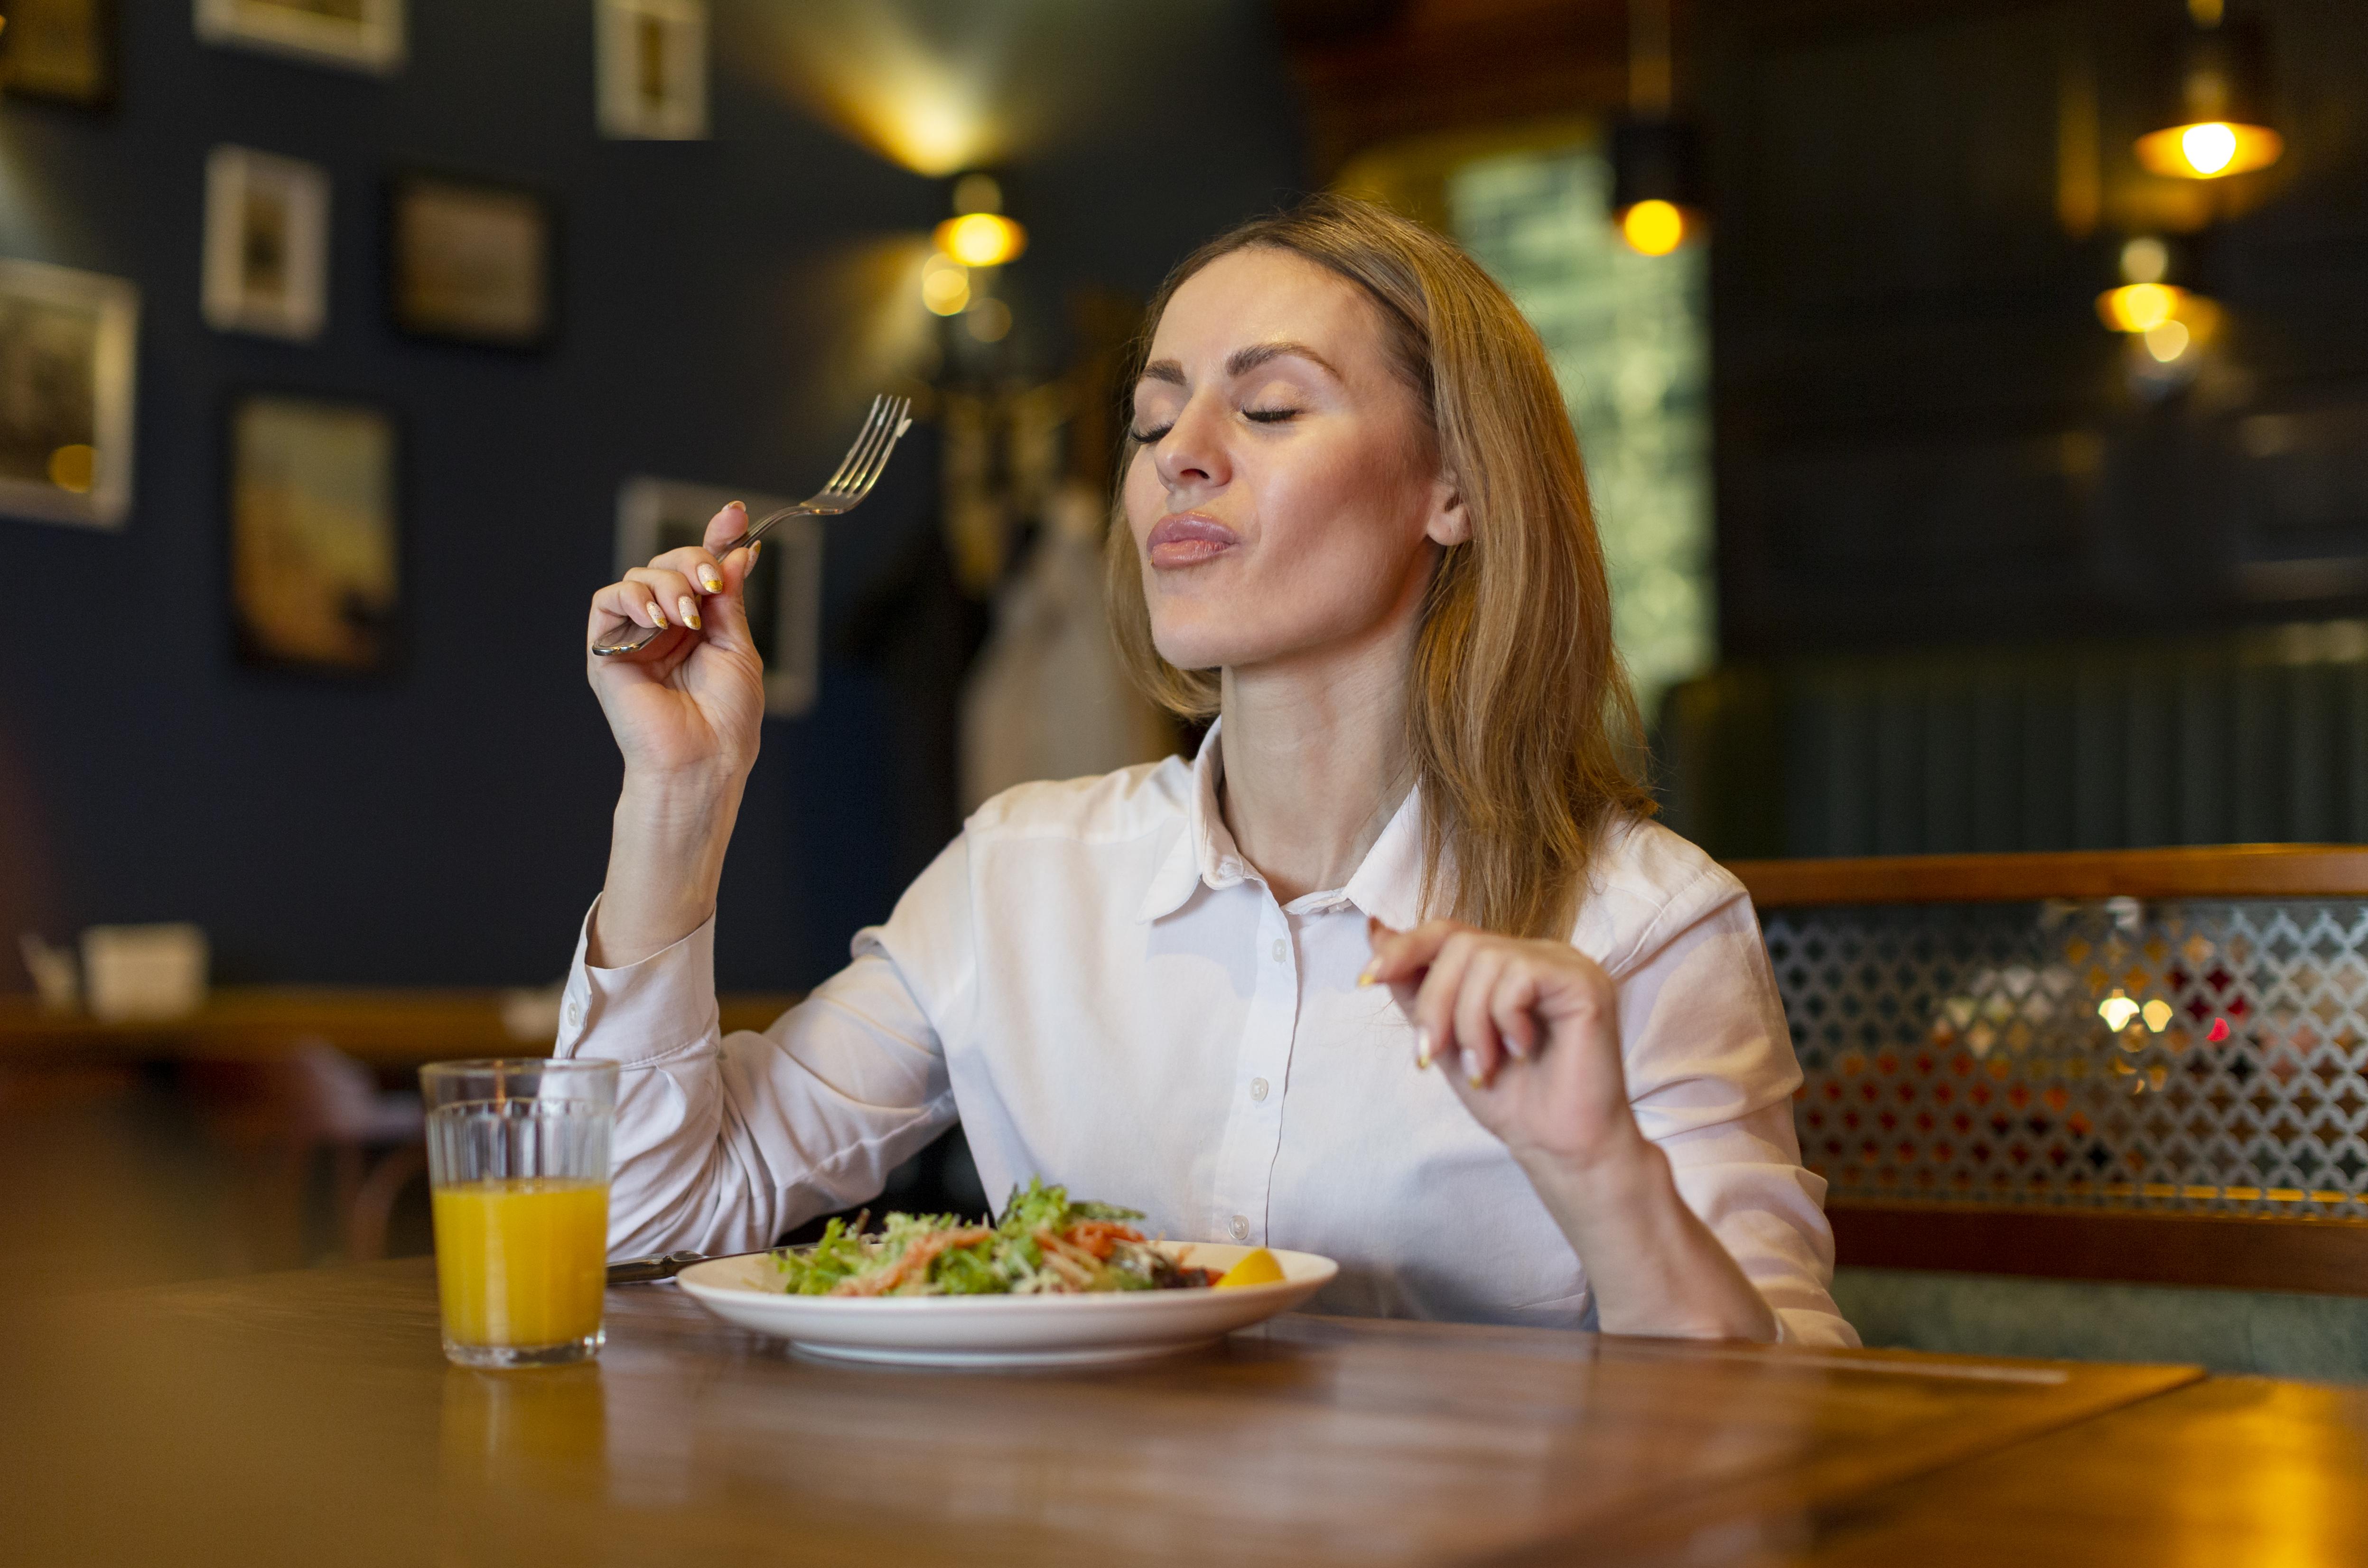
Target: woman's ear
(1449,524)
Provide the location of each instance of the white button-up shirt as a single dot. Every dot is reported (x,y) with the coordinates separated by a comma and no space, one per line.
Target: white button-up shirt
(1094,981)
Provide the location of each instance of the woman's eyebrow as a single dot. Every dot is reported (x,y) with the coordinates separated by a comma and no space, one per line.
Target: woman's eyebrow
(1242,361)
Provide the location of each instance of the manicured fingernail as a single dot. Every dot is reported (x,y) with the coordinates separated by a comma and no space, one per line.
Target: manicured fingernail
(1371,973)
(752,553)
(657,616)
(741,505)
(1422,1047)
(710,580)
(1516,1049)
(690,608)
(1472,1068)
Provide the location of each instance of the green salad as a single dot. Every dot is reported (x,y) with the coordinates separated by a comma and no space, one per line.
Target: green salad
(1044,1244)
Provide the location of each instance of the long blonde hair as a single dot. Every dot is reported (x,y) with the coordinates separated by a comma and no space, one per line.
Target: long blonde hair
(1520,721)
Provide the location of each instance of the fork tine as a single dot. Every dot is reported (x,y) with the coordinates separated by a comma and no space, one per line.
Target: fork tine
(853,483)
(847,463)
(859,455)
(869,475)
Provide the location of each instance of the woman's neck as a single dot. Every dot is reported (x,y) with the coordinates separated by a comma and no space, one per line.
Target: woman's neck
(1315,759)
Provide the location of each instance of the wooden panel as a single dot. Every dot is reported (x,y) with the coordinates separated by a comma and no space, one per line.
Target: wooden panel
(2135,1247)
(386,1028)
(310,1417)
(2236,870)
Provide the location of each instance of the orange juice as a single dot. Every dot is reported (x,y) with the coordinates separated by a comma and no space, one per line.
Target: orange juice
(521,1262)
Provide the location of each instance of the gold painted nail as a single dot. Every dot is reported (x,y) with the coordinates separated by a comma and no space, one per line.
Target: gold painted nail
(1368,976)
(1422,1047)
(690,608)
(657,616)
(752,553)
(710,581)
(1472,1068)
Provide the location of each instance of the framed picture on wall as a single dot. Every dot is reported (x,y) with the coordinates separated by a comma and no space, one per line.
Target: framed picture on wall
(471,261)
(652,69)
(354,35)
(60,50)
(784,596)
(267,262)
(67,355)
(315,545)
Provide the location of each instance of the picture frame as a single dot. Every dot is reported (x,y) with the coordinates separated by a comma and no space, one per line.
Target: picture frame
(784,596)
(68,358)
(652,69)
(266,246)
(350,35)
(316,545)
(62,50)
(472,260)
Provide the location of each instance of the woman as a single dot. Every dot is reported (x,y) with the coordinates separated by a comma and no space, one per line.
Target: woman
(1357,535)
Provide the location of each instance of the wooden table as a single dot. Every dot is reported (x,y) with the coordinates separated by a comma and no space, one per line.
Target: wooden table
(307,1418)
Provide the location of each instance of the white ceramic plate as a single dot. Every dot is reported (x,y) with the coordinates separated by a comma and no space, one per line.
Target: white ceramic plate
(1004,1331)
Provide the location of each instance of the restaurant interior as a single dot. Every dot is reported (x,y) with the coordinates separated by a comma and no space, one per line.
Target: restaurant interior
(1974,396)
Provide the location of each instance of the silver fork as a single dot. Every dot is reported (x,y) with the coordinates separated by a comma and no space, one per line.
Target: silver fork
(843,492)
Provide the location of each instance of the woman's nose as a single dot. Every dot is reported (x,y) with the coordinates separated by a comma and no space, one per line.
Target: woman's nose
(1192,453)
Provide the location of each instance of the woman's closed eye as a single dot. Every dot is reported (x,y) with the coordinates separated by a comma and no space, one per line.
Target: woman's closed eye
(1151,435)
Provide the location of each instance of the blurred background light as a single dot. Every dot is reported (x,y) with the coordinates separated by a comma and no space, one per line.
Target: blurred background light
(2213,118)
(2168,340)
(982,239)
(2139,307)
(945,285)
(1652,227)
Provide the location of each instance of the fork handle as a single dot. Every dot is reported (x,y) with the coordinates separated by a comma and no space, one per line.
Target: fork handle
(647,635)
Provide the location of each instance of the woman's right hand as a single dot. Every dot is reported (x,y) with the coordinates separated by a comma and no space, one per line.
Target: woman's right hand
(690,707)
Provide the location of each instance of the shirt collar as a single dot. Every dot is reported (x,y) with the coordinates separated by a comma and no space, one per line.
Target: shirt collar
(1387,885)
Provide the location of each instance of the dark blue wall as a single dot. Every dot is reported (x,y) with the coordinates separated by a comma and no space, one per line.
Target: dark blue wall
(446,823)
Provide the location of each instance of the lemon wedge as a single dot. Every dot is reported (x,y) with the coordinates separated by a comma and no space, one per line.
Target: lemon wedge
(1257,1267)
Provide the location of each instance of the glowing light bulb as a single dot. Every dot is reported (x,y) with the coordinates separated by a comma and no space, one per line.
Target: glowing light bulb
(2208,148)
(2117,1010)
(2157,1015)
(1653,227)
(982,239)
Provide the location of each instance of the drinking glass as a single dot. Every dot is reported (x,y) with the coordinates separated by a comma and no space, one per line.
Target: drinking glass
(517,1168)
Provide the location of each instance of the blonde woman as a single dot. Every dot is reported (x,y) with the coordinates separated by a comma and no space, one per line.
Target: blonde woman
(1355,533)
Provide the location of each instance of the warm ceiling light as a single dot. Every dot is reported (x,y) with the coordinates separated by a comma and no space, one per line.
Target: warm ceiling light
(982,239)
(2210,150)
(1654,227)
(2213,118)
(2139,307)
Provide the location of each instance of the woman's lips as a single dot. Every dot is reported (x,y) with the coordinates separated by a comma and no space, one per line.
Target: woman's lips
(1184,539)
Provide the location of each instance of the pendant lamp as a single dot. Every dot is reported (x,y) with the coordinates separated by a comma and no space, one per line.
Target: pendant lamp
(2212,118)
(1657,196)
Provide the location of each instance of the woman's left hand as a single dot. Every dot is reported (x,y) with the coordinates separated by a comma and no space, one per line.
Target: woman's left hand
(1528,1031)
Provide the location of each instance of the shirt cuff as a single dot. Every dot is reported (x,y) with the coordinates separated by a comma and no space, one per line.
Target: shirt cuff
(645,1012)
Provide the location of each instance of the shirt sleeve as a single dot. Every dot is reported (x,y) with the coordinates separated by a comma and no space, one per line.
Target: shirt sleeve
(1711,1077)
(725,1141)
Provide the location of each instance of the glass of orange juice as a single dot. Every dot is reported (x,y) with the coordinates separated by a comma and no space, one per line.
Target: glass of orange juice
(517,1171)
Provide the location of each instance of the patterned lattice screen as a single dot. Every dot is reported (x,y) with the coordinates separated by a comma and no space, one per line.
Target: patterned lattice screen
(2189,1055)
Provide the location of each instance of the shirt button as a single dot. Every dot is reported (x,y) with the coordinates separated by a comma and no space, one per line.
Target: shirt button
(1240,1227)
(1278,950)
(574,1014)
(1258,1089)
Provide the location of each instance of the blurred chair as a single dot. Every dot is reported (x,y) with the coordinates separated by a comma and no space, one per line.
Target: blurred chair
(278,1113)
